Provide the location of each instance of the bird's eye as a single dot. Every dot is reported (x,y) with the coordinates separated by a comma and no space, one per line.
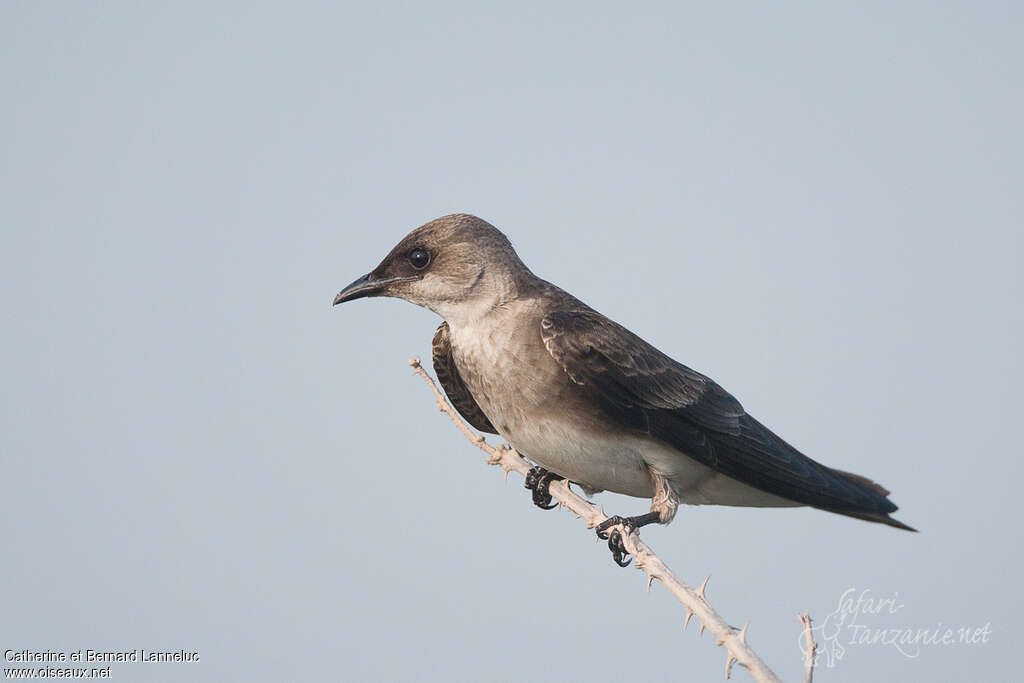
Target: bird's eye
(419,258)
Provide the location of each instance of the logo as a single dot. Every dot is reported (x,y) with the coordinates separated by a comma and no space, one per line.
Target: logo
(863,619)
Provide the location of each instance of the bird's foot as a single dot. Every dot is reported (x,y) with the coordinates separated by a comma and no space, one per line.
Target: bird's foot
(614,537)
(538,479)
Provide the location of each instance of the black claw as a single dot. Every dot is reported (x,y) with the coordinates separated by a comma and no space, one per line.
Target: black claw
(614,537)
(538,480)
(542,500)
(618,549)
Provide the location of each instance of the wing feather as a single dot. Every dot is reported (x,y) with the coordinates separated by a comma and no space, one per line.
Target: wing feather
(644,389)
(448,375)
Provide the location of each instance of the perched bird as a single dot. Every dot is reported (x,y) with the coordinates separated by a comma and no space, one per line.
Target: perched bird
(588,400)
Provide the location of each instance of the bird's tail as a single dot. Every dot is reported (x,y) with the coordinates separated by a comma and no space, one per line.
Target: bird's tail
(880,517)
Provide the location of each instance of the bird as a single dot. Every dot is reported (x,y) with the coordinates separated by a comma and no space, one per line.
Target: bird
(589,401)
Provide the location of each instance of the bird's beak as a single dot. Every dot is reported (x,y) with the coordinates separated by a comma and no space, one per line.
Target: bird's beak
(367,285)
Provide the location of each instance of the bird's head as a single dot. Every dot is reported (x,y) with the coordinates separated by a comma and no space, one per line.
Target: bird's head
(458,266)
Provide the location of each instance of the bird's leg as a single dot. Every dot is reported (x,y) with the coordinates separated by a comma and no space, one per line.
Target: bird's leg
(614,538)
(538,480)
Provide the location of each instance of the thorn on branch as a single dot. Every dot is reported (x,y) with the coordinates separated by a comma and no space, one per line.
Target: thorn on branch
(701,592)
(729,659)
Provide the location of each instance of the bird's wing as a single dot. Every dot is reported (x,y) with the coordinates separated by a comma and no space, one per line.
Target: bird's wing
(643,389)
(454,387)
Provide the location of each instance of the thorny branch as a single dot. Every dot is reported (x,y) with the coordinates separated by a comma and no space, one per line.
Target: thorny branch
(694,600)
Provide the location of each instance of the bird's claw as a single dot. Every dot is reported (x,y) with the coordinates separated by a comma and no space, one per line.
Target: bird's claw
(542,500)
(614,537)
(538,479)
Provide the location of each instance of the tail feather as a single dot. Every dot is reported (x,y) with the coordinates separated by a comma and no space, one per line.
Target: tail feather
(863,481)
(880,517)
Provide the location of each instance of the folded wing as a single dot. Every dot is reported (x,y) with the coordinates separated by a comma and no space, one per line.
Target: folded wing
(643,389)
(451,381)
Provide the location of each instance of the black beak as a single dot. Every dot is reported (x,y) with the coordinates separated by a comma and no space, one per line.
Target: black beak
(367,285)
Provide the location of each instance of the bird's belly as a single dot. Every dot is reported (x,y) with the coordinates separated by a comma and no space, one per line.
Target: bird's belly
(624,463)
(594,459)
(540,413)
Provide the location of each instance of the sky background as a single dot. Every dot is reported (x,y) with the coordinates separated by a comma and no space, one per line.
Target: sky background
(818,206)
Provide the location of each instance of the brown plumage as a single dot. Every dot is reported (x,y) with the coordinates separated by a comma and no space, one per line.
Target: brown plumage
(585,397)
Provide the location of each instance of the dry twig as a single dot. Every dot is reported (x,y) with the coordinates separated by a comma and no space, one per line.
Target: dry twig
(810,647)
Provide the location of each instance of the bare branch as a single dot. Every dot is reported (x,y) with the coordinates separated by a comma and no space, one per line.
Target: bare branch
(695,601)
(810,647)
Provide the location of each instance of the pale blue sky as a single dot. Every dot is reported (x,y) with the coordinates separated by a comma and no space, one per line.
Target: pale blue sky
(819,206)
